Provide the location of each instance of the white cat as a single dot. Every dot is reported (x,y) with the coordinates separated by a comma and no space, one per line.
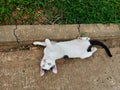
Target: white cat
(77,48)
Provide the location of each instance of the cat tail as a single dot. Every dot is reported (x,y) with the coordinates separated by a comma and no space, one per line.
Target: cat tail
(96,42)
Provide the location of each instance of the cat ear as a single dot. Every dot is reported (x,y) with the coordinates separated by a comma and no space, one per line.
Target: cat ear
(48,43)
(39,43)
(54,70)
(42,72)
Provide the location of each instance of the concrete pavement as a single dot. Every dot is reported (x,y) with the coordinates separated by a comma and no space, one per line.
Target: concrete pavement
(29,33)
(19,70)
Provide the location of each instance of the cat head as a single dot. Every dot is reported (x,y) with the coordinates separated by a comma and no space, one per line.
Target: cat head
(48,60)
(47,65)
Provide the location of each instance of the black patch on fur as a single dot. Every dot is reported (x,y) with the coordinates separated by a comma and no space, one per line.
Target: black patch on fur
(52,67)
(65,56)
(89,48)
(48,70)
(44,70)
(96,42)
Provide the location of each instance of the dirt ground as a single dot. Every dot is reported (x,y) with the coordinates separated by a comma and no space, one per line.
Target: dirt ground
(19,70)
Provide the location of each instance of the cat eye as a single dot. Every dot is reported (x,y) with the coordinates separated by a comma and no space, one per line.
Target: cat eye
(43,65)
(49,64)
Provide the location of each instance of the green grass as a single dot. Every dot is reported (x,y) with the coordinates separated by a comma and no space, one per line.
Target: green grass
(59,11)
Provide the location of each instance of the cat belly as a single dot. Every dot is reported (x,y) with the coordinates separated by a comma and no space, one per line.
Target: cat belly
(75,52)
(75,49)
(80,54)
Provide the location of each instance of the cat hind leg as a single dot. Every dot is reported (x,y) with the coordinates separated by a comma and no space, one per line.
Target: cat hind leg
(88,54)
(93,49)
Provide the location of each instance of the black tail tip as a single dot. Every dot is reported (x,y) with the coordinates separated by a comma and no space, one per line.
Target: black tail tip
(110,55)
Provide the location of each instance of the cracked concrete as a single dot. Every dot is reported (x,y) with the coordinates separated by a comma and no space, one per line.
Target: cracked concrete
(79,30)
(25,34)
(19,70)
(40,32)
(15,34)
(61,32)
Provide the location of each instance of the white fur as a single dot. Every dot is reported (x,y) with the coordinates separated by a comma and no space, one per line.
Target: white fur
(76,48)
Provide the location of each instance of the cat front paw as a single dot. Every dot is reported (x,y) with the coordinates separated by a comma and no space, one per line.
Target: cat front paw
(36,43)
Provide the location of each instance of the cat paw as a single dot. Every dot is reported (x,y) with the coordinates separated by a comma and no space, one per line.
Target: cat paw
(94,49)
(36,43)
(85,38)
